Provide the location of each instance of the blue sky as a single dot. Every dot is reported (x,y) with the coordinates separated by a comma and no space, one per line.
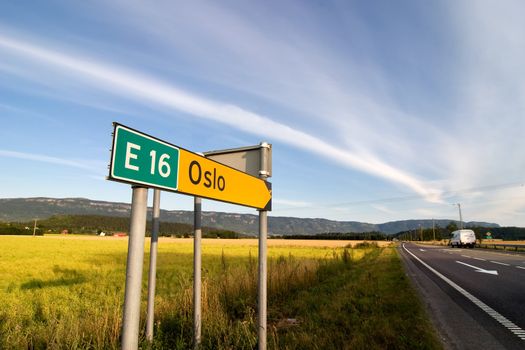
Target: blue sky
(376,110)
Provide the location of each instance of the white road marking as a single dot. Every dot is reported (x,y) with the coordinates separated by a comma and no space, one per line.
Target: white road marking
(521,267)
(499,263)
(479,269)
(423,250)
(480,259)
(493,313)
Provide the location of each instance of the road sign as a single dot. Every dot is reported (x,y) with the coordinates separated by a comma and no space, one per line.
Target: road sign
(141,159)
(206,178)
(245,159)
(138,158)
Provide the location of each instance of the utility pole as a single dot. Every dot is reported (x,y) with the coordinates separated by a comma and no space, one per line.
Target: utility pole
(34,228)
(460,217)
(433,229)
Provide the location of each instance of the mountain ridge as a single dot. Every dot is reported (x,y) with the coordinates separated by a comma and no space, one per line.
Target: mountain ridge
(26,209)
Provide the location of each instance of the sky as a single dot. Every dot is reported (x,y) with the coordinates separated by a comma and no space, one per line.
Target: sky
(376,110)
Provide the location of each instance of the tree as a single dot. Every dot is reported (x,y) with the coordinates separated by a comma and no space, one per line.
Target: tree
(452,226)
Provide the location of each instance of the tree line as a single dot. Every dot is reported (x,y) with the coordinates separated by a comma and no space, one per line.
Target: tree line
(440,233)
(96,224)
(350,236)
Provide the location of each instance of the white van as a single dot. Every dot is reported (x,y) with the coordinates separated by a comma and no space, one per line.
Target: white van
(463,238)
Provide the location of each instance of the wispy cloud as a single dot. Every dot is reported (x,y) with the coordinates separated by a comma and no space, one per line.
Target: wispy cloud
(133,84)
(10,108)
(383,209)
(85,165)
(323,80)
(425,213)
(487,147)
(291,203)
(499,205)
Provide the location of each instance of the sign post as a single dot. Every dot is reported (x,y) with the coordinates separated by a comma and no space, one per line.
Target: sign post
(197,268)
(130,323)
(263,267)
(256,161)
(145,161)
(153,264)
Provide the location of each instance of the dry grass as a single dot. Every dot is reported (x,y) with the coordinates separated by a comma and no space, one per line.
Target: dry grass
(499,241)
(319,243)
(240,242)
(66,292)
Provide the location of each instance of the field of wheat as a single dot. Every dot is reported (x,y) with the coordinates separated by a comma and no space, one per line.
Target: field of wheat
(67,292)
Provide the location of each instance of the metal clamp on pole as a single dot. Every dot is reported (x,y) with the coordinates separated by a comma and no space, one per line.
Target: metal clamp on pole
(265,144)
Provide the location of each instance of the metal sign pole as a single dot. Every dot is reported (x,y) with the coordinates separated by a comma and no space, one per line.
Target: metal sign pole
(263,268)
(263,275)
(137,231)
(144,160)
(197,273)
(153,264)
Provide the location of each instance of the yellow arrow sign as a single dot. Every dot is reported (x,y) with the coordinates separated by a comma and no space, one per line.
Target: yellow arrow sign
(206,178)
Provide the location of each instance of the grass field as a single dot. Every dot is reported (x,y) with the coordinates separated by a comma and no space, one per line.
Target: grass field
(67,293)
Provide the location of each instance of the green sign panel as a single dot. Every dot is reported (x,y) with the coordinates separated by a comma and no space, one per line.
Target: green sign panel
(138,158)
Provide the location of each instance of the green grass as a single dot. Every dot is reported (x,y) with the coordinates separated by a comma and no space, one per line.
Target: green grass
(365,304)
(67,293)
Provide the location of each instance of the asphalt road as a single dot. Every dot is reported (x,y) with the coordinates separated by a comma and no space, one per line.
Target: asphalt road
(476,297)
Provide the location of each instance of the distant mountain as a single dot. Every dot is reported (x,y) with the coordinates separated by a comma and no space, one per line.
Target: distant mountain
(26,209)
